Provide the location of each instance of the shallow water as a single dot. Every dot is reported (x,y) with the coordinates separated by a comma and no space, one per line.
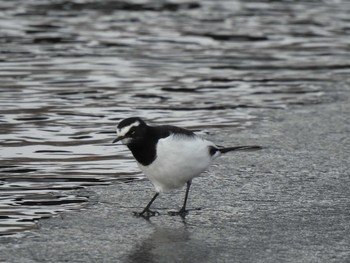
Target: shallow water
(70,70)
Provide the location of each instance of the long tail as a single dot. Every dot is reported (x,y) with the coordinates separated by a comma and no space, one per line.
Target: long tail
(240,148)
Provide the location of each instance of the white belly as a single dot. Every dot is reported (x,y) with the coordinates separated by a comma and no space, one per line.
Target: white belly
(179,159)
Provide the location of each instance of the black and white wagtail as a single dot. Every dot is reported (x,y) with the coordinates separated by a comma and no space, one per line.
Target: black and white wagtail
(169,156)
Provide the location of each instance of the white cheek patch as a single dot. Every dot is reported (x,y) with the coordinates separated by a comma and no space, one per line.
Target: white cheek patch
(126,140)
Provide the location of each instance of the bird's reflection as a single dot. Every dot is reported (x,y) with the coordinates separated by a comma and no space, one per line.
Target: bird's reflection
(169,244)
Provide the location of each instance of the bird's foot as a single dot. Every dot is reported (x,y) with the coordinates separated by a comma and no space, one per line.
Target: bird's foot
(146,213)
(182,213)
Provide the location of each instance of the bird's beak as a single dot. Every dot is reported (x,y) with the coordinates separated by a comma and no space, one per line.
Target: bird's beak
(118,139)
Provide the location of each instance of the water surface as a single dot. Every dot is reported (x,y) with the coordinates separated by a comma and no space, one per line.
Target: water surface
(70,70)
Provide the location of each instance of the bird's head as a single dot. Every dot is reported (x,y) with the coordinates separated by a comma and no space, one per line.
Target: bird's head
(130,130)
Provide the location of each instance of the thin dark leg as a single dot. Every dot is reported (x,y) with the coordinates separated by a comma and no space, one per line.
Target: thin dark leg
(183,212)
(146,212)
(183,209)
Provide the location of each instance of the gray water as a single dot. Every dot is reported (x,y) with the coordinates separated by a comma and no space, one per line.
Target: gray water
(70,70)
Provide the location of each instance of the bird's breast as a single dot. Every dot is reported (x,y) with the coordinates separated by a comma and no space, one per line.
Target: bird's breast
(178,159)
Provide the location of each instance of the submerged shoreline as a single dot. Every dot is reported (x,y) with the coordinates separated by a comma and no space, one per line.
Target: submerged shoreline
(275,205)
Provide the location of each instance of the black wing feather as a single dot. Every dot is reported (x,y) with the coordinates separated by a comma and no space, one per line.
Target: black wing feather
(166,130)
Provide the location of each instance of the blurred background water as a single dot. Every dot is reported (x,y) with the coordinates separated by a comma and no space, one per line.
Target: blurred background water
(71,69)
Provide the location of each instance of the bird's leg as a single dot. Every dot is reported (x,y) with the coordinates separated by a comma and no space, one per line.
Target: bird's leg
(183,212)
(146,212)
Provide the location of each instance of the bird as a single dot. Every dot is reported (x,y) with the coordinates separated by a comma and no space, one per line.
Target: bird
(169,156)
